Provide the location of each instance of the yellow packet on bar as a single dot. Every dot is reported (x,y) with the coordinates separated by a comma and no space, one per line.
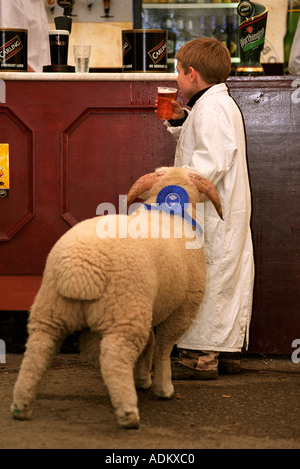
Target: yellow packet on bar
(4,170)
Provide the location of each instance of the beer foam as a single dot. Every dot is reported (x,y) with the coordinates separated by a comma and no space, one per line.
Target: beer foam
(167,90)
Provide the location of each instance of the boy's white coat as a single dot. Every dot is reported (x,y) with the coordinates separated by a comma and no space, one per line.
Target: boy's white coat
(212,142)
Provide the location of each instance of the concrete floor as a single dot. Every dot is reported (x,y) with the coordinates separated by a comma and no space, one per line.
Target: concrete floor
(258,408)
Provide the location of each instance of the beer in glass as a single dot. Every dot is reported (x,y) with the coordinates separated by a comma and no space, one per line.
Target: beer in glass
(59,43)
(164,98)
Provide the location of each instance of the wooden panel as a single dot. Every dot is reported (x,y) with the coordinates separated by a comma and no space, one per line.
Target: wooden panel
(17,210)
(276,318)
(103,152)
(18,292)
(273,146)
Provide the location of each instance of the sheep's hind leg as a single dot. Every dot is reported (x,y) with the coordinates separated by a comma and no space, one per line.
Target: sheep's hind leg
(167,334)
(143,366)
(40,350)
(117,360)
(162,377)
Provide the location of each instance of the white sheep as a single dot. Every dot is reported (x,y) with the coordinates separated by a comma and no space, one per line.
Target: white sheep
(119,289)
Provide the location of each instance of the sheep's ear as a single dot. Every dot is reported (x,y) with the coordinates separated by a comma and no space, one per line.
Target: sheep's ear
(208,189)
(142,185)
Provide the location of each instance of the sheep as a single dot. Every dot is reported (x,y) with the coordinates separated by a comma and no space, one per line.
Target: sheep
(119,289)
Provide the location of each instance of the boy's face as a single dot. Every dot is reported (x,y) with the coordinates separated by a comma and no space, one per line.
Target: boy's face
(184,82)
(190,83)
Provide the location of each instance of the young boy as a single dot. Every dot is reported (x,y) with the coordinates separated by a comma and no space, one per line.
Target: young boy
(211,140)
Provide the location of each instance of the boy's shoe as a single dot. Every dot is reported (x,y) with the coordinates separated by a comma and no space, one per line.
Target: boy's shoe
(229,363)
(193,364)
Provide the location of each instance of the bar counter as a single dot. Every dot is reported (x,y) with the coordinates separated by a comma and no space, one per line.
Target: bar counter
(77,140)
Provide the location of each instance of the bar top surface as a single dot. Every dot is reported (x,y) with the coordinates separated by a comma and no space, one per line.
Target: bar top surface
(28,76)
(33,76)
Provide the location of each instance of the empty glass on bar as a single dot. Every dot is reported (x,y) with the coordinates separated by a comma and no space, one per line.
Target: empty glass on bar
(82,58)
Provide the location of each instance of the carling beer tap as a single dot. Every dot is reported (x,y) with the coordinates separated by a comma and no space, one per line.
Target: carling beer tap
(252,33)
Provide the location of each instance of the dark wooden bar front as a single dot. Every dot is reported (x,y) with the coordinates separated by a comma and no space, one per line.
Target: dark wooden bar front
(76,144)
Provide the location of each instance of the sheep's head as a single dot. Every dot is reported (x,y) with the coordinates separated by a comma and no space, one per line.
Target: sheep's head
(165,176)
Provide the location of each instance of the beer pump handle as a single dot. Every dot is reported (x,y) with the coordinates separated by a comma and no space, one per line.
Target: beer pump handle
(63,22)
(68,12)
(106,9)
(67,5)
(252,32)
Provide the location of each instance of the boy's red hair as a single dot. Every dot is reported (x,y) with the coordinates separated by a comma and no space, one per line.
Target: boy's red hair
(208,56)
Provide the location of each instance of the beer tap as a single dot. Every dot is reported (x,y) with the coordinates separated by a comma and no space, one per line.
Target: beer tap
(67,5)
(89,4)
(65,21)
(106,9)
(252,32)
(68,11)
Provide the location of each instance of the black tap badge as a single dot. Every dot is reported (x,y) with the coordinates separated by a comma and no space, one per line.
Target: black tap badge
(65,3)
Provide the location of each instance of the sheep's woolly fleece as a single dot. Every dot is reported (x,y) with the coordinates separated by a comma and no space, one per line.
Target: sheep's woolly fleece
(116,290)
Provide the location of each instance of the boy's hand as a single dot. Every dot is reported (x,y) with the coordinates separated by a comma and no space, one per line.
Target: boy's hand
(178,112)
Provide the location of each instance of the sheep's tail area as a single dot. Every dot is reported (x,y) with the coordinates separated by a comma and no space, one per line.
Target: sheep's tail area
(81,280)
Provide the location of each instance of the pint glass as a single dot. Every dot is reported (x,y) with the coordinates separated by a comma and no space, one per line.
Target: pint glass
(164,106)
(59,43)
